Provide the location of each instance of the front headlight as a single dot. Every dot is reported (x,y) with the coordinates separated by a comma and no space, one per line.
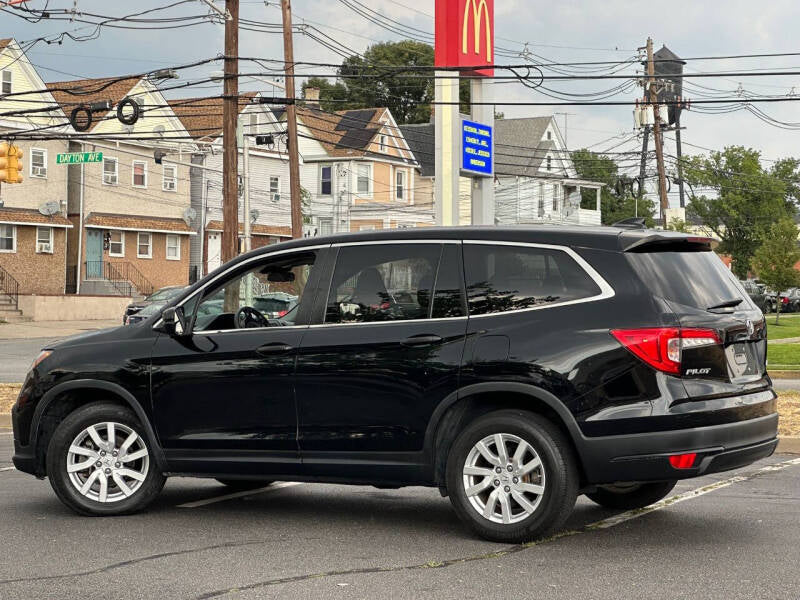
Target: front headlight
(44,354)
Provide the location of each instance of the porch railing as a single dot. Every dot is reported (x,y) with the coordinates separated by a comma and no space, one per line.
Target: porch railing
(10,287)
(123,277)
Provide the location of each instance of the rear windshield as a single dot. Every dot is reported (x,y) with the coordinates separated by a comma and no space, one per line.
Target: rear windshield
(697,279)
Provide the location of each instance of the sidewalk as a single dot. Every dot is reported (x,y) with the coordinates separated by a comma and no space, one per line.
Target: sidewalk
(792,340)
(52,329)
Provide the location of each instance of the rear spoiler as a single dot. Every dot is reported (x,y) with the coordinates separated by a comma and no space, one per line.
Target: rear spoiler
(666,242)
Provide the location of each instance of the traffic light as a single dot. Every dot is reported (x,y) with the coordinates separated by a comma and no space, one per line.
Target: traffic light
(10,167)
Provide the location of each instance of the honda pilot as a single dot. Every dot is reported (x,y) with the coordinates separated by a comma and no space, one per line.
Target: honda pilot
(511,368)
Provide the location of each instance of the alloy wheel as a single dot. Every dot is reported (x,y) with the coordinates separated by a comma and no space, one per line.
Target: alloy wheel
(504,478)
(107,462)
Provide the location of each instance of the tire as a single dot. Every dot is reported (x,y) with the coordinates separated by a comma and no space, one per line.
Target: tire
(556,477)
(141,480)
(242,485)
(629,497)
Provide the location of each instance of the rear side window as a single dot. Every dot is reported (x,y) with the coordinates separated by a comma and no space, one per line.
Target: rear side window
(382,282)
(448,297)
(697,279)
(503,278)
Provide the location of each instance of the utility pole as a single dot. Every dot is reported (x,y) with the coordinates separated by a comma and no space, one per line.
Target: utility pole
(680,155)
(291,121)
(230,152)
(248,237)
(657,137)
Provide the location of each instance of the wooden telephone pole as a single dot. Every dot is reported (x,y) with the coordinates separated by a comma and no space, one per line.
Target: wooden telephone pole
(291,122)
(230,151)
(657,136)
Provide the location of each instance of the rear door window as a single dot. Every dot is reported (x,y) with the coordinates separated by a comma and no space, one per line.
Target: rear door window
(383,282)
(696,279)
(504,278)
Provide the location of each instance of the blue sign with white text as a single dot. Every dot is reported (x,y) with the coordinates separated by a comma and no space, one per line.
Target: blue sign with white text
(476,148)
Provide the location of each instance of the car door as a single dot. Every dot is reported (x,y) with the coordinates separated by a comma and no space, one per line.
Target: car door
(223,396)
(384,351)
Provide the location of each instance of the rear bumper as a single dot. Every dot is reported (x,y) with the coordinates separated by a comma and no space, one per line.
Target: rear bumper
(645,456)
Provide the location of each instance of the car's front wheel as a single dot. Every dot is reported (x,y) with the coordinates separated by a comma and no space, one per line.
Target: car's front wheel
(512,476)
(99,462)
(631,495)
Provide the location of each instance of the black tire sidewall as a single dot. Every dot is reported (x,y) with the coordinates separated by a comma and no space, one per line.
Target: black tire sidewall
(559,466)
(56,461)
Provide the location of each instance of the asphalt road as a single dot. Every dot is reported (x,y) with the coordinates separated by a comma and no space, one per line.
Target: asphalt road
(16,357)
(314,541)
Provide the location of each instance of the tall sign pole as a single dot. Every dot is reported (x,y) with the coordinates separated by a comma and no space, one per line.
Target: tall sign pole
(464,46)
(291,122)
(230,152)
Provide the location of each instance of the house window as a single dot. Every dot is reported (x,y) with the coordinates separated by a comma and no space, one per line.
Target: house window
(325,181)
(275,188)
(139,174)
(555,198)
(383,143)
(8,238)
(44,240)
(116,244)
(110,171)
(144,245)
(549,135)
(6,86)
(400,187)
(325,225)
(254,128)
(170,181)
(39,163)
(173,247)
(363,179)
(549,163)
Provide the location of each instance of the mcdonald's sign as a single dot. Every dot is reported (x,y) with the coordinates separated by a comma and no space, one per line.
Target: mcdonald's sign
(465,35)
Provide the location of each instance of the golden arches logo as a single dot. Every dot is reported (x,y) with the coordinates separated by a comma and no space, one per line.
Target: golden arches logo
(479,9)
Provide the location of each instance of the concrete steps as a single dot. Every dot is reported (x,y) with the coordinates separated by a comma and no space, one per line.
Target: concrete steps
(10,314)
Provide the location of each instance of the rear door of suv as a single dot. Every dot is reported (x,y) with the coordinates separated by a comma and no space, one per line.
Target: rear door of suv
(707,299)
(384,350)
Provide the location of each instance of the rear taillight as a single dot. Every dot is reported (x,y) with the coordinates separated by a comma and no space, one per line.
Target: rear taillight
(282,313)
(682,461)
(661,347)
(785,300)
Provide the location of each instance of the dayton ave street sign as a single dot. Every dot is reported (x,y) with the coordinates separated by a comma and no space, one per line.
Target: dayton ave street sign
(78,158)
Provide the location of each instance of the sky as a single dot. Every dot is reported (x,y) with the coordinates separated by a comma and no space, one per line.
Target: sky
(565,31)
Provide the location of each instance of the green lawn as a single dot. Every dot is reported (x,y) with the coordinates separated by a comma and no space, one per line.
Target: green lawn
(788,327)
(783,356)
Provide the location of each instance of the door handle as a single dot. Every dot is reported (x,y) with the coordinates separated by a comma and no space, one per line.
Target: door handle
(421,340)
(274,348)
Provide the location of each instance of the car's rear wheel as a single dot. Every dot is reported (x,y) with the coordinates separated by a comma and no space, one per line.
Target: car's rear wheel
(631,495)
(512,476)
(99,462)
(242,485)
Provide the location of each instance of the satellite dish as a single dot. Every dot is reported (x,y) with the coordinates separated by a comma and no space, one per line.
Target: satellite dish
(189,215)
(50,208)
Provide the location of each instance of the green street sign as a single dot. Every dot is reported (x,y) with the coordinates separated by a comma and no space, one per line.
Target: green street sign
(78,158)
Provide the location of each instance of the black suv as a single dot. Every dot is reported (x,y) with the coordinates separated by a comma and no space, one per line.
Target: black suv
(512,368)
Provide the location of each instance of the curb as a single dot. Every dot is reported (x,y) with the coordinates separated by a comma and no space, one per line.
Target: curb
(784,374)
(5,420)
(788,445)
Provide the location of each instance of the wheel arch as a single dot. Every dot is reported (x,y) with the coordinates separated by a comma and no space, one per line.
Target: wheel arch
(472,401)
(79,393)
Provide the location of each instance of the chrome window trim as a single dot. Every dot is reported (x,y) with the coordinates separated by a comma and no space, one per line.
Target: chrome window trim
(606,291)
(319,325)
(236,266)
(385,242)
(271,328)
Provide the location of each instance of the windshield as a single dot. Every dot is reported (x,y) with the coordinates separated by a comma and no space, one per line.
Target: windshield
(696,279)
(163,295)
(150,310)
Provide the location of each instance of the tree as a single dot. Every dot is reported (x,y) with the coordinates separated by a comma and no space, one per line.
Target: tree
(373,80)
(676,224)
(617,201)
(747,199)
(774,261)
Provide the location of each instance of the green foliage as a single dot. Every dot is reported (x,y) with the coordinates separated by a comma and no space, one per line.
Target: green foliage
(366,83)
(747,199)
(774,261)
(676,224)
(616,204)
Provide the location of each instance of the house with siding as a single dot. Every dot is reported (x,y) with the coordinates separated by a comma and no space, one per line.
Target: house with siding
(129,213)
(268,178)
(535,178)
(33,214)
(358,171)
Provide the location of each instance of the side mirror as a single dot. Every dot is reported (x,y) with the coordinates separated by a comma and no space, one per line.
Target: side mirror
(175,321)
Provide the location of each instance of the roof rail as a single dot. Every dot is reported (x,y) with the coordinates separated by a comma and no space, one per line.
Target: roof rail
(631,223)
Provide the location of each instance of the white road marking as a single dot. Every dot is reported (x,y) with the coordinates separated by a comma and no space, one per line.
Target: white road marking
(696,493)
(269,488)
(7,469)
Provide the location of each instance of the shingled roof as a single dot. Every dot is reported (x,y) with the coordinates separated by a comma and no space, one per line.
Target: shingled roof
(70,94)
(421,139)
(4,42)
(202,117)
